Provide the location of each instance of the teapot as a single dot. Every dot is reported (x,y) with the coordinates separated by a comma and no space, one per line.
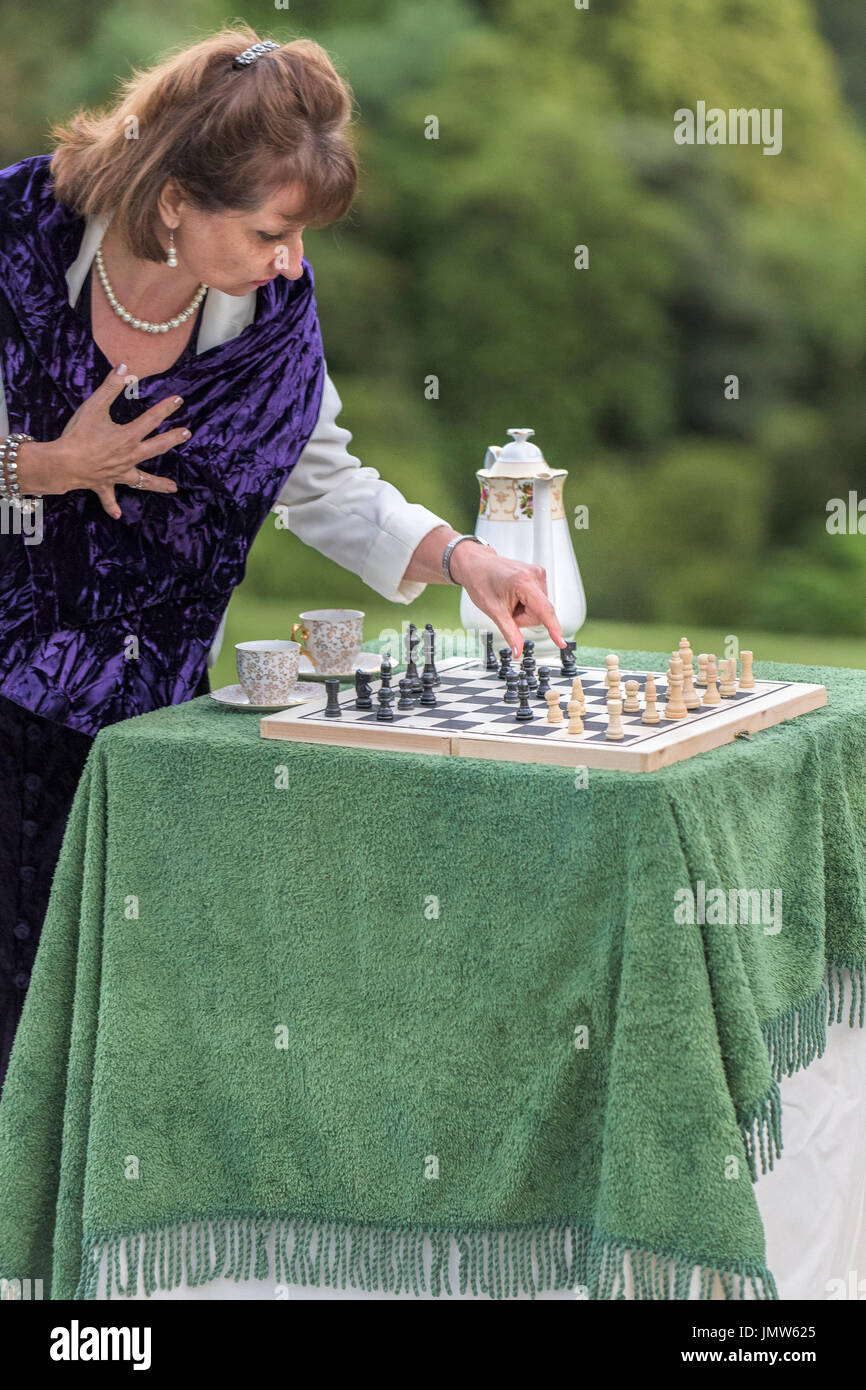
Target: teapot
(522,516)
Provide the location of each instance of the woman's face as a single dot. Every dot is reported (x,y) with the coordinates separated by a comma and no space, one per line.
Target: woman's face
(235,251)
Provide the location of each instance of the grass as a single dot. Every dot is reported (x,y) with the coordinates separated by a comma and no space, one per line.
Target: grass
(251,617)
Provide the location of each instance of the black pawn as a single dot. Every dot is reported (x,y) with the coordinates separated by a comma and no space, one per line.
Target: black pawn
(407,696)
(385,696)
(543,682)
(511,696)
(332,708)
(363,688)
(490,658)
(430,653)
(504,662)
(385,671)
(524,712)
(428,694)
(567,663)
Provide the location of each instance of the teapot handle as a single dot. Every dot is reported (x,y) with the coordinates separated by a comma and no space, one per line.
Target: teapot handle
(493,452)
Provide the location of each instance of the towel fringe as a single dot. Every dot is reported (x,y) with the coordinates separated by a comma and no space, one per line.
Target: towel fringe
(799,1035)
(761,1128)
(386,1259)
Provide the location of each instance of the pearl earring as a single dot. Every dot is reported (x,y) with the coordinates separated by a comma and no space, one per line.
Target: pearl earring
(171,258)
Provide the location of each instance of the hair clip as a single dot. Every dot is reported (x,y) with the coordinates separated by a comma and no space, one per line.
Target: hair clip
(250,55)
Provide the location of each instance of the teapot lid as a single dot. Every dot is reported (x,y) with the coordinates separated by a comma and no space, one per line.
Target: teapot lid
(519,459)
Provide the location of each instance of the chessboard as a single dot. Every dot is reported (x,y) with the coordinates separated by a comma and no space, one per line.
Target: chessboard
(471,720)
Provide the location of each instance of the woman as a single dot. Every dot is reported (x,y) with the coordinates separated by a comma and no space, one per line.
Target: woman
(165,236)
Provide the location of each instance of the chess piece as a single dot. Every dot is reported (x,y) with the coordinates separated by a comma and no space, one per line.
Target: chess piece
(490,659)
(675,666)
(675,707)
(385,670)
(567,662)
(577,693)
(612,673)
(632,703)
(332,708)
(747,678)
(691,698)
(543,682)
(527,666)
(407,698)
(650,713)
(385,695)
(702,669)
(554,708)
(525,711)
(363,690)
(614,690)
(504,662)
(712,696)
(575,723)
(688,656)
(511,696)
(430,653)
(728,683)
(428,694)
(412,676)
(614,719)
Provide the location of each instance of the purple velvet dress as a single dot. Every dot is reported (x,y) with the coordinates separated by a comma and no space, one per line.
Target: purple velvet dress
(156,582)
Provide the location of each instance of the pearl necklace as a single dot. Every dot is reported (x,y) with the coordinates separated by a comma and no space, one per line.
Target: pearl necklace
(144,324)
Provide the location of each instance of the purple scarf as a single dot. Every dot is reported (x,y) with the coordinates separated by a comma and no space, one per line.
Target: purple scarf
(163,574)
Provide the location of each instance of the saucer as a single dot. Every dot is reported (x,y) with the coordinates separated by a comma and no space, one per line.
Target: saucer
(366,661)
(236,696)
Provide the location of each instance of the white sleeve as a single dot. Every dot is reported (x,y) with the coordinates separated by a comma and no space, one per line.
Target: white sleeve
(349,513)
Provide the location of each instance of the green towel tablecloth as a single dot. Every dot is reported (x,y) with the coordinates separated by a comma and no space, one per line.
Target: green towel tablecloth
(376,1005)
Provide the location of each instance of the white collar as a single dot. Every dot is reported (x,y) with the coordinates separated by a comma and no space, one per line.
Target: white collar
(223,316)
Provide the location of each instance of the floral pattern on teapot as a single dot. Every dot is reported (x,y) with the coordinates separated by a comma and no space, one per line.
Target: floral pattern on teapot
(510,499)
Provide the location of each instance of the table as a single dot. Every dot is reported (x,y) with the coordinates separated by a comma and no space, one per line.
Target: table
(398,1023)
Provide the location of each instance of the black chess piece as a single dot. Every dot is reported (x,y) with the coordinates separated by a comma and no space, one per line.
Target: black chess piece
(504,662)
(428,694)
(385,670)
(511,696)
(543,682)
(527,666)
(412,640)
(567,663)
(407,698)
(332,708)
(490,663)
(385,696)
(524,712)
(430,654)
(363,690)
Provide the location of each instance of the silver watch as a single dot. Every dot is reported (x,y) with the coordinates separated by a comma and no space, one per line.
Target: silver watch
(446,558)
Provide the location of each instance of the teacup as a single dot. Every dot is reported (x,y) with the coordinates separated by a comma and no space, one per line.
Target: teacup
(331,638)
(268,670)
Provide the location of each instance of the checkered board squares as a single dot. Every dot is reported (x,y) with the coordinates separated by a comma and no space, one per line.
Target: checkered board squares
(471,719)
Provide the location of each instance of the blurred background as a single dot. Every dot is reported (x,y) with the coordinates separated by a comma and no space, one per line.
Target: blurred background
(706,515)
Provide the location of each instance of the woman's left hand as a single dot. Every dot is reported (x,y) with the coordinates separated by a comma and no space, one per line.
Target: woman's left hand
(510,592)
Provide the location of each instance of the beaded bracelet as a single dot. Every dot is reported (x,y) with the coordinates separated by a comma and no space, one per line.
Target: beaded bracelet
(9,489)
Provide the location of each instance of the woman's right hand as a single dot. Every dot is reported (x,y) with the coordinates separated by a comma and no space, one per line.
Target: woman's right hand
(93,452)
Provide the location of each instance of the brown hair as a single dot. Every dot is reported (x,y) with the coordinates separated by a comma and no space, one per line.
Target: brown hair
(228,136)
